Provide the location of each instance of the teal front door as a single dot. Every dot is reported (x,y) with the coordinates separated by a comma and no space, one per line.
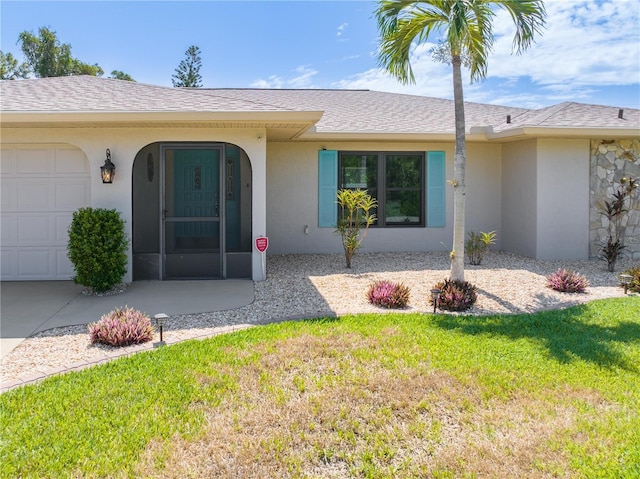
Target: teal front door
(191,223)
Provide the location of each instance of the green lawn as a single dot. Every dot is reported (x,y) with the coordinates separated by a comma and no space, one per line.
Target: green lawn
(555,394)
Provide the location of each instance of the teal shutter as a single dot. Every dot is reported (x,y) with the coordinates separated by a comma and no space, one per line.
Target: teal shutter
(327,188)
(436,171)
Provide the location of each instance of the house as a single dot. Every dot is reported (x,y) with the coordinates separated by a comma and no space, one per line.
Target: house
(201,173)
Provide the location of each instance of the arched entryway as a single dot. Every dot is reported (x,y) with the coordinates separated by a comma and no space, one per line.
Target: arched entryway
(191,212)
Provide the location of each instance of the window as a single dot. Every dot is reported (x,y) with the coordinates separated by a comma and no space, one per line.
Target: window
(395,180)
(409,186)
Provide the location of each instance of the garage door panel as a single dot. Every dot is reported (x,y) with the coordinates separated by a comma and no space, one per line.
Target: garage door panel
(7,161)
(34,195)
(34,263)
(64,268)
(34,229)
(70,195)
(7,264)
(9,230)
(70,163)
(34,162)
(61,227)
(8,194)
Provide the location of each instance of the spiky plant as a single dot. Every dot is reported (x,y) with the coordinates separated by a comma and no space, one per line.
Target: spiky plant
(567,281)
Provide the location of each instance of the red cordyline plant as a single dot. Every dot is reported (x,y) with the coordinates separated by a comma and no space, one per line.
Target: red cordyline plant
(122,327)
(567,281)
(455,295)
(388,295)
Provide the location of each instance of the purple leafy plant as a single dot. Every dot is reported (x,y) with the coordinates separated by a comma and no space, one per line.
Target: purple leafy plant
(122,327)
(567,281)
(388,295)
(455,295)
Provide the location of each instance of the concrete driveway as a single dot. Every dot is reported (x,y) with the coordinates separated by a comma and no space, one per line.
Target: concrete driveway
(28,307)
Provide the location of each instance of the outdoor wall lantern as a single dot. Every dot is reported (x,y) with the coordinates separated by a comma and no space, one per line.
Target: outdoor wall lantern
(161,320)
(108,170)
(435,296)
(625,280)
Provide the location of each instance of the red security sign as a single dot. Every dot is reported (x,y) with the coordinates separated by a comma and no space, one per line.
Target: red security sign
(262,243)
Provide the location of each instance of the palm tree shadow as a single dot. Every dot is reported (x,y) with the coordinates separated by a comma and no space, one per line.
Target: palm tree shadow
(567,334)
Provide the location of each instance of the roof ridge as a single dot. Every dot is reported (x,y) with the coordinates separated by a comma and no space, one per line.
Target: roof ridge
(254,102)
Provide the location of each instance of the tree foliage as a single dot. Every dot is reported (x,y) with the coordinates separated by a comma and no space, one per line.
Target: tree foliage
(48,57)
(11,68)
(466,32)
(119,75)
(188,71)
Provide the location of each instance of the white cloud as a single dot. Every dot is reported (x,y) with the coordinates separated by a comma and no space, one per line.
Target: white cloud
(432,78)
(341,29)
(586,45)
(302,78)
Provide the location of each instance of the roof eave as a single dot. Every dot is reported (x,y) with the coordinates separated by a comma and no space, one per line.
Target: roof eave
(563,132)
(128,117)
(312,135)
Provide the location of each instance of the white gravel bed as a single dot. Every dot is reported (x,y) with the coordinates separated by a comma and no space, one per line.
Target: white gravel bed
(304,286)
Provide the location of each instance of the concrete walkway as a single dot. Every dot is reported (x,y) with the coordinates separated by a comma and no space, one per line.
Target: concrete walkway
(27,307)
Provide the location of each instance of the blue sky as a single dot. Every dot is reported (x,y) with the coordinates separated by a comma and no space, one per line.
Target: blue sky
(589,52)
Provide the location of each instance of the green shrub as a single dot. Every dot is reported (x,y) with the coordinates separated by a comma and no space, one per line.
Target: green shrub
(477,246)
(97,248)
(122,327)
(455,295)
(388,295)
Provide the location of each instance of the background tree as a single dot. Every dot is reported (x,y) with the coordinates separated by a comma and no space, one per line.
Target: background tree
(47,57)
(118,75)
(11,69)
(188,71)
(465,27)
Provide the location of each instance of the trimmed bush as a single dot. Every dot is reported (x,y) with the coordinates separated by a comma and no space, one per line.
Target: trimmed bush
(97,248)
(455,295)
(635,282)
(567,281)
(122,327)
(388,295)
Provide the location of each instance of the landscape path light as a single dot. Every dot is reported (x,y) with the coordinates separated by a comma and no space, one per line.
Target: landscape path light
(435,296)
(161,320)
(625,280)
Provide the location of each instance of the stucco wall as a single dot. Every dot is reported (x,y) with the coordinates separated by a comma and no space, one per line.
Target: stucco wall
(124,144)
(519,204)
(610,161)
(292,199)
(562,199)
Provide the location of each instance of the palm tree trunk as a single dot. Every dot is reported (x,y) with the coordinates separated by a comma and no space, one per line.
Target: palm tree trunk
(459,165)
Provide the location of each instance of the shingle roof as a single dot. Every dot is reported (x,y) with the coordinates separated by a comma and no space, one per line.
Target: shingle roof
(365,111)
(344,111)
(94,94)
(575,115)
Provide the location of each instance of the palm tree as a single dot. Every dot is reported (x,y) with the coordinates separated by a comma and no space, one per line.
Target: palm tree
(465,27)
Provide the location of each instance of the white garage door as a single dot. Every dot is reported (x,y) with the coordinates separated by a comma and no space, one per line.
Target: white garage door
(41,187)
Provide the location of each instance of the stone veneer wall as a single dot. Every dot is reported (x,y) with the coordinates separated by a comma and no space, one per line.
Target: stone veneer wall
(610,161)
